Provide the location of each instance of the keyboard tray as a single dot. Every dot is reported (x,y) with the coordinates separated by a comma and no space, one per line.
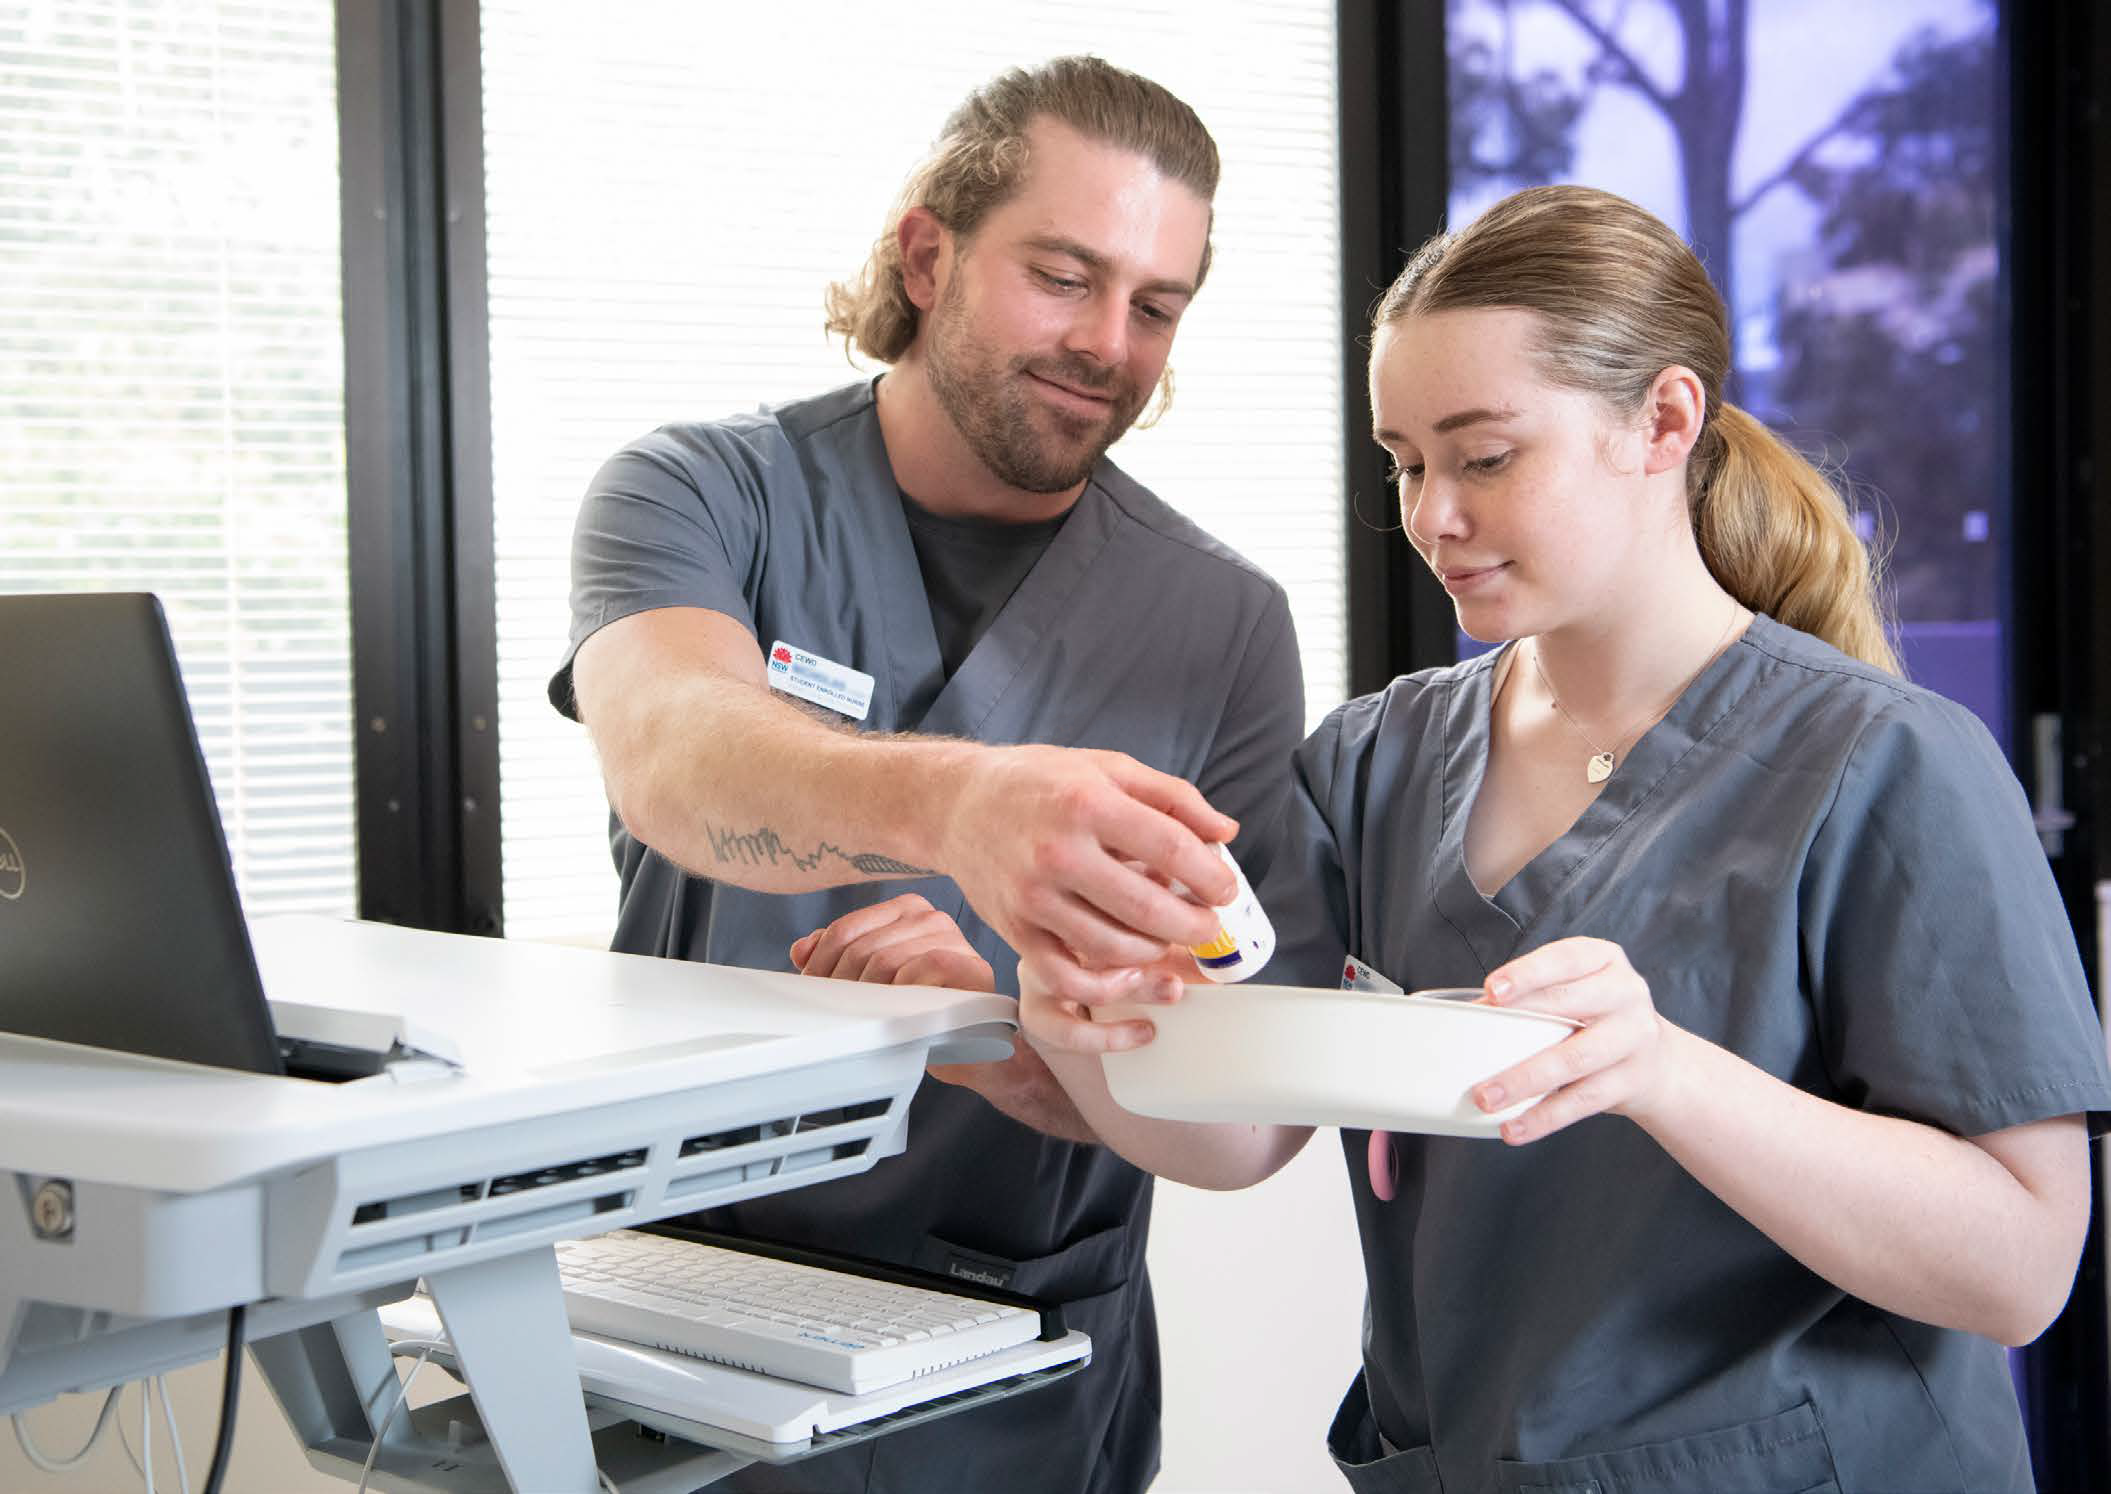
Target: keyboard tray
(781,1421)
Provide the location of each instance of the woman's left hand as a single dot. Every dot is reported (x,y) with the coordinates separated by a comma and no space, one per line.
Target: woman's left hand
(1617,1062)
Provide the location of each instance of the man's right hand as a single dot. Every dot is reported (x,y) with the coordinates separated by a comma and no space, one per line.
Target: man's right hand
(1061,851)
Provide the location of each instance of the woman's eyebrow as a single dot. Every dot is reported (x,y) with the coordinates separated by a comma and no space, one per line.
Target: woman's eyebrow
(1458,421)
(1464,418)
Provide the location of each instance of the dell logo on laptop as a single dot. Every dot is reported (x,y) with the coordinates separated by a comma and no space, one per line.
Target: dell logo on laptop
(12,877)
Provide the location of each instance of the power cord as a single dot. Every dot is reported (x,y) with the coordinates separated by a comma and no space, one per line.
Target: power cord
(230,1386)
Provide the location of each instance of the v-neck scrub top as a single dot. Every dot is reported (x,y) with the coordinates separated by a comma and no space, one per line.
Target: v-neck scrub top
(1133,631)
(970,569)
(1823,869)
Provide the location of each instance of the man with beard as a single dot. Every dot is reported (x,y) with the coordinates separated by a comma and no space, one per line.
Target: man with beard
(921,628)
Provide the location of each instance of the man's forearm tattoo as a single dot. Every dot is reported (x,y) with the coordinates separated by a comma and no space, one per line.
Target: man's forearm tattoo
(764,847)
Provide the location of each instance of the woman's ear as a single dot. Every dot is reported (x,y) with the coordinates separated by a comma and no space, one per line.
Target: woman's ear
(1672,413)
(923,241)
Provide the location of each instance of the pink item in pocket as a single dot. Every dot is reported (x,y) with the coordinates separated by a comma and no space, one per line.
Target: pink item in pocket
(1384,1166)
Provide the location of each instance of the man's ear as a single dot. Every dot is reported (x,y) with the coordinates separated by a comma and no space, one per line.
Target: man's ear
(1672,415)
(926,246)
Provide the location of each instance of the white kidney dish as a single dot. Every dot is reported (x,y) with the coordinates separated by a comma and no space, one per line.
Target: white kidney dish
(1304,1056)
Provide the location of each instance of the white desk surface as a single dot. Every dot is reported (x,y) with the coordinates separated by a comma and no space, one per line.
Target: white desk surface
(540,1028)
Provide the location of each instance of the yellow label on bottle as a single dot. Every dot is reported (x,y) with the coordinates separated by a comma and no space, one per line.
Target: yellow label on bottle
(1218,948)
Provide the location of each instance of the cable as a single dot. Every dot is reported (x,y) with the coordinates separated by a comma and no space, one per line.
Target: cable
(428,1346)
(168,1415)
(126,1443)
(366,1470)
(146,1431)
(108,1417)
(224,1440)
(48,1464)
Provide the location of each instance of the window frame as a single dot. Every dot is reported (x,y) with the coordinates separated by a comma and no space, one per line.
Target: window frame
(1394,193)
(418,464)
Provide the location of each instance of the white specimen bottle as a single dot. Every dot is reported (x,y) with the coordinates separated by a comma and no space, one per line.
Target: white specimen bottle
(1245,938)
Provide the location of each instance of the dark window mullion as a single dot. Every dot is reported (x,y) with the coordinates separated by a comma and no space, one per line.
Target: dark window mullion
(417,428)
(2059,300)
(1394,183)
(468,328)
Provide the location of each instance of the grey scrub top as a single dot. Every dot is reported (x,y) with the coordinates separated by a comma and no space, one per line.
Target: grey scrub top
(1815,865)
(1134,631)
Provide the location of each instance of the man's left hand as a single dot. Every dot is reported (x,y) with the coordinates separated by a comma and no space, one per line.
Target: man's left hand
(904,941)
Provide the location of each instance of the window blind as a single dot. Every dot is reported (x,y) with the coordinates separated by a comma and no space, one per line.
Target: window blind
(670,187)
(171,414)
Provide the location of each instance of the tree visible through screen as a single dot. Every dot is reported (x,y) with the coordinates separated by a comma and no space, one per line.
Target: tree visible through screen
(1837,168)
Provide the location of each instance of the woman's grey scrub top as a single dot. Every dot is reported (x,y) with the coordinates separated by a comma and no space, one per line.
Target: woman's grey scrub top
(1821,868)
(1134,631)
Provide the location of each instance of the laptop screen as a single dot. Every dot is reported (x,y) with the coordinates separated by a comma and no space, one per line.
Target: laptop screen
(120,926)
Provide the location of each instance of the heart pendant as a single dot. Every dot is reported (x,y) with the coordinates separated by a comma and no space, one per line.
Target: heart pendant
(1599,768)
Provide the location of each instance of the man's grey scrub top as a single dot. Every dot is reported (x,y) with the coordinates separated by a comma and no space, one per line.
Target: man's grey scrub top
(1823,869)
(1134,631)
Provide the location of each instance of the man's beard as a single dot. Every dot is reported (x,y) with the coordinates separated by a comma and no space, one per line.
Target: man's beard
(985,398)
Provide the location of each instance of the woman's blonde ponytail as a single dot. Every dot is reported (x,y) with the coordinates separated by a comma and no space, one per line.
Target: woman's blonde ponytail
(1777,536)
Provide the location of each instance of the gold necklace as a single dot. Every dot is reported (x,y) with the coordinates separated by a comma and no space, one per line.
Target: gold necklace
(1600,764)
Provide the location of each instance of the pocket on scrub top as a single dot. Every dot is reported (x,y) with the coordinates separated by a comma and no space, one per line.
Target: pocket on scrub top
(1090,1267)
(1368,1461)
(1781,1454)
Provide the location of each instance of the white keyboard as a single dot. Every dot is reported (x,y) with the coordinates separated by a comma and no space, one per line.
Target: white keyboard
(820,1327)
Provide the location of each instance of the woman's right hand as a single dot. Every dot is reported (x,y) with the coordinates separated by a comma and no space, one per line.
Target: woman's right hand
(1058,1009)
(1058,999)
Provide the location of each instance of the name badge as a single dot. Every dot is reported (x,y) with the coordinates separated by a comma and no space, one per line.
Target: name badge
(837,687)
(1357,976)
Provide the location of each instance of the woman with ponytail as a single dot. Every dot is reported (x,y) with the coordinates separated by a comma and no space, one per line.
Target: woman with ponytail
(1818,1146)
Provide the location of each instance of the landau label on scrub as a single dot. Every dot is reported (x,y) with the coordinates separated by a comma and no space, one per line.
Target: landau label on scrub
(826,683)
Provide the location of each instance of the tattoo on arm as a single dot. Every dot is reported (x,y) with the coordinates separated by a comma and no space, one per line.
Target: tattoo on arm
(874,864)
(764,847)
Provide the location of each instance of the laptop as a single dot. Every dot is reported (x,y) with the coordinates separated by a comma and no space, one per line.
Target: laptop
(120,925)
